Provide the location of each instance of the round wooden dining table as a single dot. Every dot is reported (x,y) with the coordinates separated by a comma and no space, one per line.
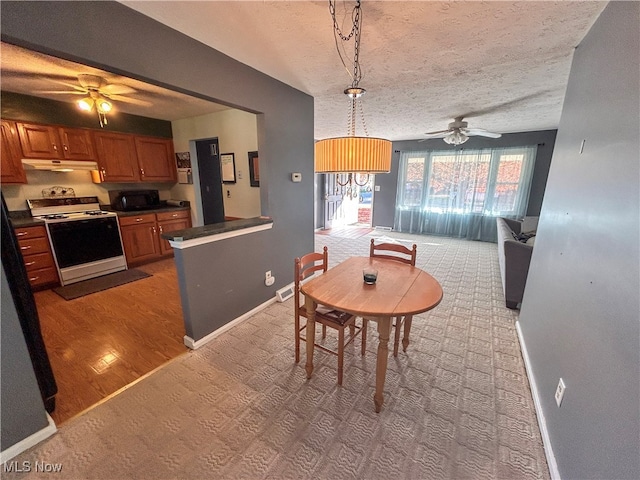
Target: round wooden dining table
(400,290)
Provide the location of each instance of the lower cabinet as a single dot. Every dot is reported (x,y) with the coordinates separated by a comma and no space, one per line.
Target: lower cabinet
(170,222)
(141,234)
(36,252)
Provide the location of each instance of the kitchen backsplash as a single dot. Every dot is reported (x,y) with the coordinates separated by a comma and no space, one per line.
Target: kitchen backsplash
(16,195)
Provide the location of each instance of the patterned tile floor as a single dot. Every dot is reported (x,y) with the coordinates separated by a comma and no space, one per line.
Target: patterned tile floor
(457,403)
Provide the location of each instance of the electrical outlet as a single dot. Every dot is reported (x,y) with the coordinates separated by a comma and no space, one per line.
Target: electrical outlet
(560,392)
(267,275)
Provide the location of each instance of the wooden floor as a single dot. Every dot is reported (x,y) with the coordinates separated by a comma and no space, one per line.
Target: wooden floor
(101,342)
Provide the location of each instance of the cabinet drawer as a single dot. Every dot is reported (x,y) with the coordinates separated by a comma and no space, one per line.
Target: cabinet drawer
(43,276)
(174,215)
(38,261)
(34,245)
(137,219)
(25,233)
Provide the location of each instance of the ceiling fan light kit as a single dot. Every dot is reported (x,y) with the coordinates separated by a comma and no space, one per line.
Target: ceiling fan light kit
(458,133)
(456,138)
(352,154)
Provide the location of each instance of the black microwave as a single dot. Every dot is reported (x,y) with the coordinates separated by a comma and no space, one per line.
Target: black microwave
(133,200)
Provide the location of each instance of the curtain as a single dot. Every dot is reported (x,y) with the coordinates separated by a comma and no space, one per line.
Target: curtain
(459,193)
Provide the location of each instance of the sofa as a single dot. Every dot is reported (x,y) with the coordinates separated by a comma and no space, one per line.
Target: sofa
(515,246)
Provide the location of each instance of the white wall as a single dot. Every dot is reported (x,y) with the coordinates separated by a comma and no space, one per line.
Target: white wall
(236,131)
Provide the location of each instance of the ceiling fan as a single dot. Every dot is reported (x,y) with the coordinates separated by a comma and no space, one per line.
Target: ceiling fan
(98,94)
(458,133)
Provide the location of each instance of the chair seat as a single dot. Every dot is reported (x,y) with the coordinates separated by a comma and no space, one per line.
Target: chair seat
(334,316)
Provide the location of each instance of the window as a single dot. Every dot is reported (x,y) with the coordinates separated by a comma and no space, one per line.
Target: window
(459,183)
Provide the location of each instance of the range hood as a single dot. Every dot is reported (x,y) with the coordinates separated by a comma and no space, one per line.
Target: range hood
(58,165)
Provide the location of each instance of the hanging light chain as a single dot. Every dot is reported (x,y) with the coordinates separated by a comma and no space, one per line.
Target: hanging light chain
(356,76)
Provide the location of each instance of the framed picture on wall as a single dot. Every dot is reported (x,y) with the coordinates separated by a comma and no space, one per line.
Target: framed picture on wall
(228,166)
(254,169)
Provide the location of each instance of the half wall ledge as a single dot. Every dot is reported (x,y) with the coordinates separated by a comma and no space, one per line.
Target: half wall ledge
(191,237)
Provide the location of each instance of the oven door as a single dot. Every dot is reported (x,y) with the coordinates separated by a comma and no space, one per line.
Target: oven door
(84,241)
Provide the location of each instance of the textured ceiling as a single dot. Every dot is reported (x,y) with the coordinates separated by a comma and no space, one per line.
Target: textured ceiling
(504,65)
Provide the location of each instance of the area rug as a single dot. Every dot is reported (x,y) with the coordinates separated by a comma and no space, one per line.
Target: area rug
(87,287)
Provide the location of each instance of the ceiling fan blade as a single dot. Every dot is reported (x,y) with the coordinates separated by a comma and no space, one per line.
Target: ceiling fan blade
(65,92)
(135,101)
(480,132)
(115,89)
(439,134)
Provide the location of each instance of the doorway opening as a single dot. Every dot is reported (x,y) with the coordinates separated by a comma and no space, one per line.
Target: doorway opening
(348,200)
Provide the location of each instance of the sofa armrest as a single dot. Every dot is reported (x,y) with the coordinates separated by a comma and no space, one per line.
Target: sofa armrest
(517,259)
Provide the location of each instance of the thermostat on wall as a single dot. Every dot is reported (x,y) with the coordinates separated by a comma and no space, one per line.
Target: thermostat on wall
(296,177)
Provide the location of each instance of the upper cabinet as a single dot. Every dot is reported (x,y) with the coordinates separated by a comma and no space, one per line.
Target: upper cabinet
(116,157)
(155,159)
(52,142)
(11,170)
(121,157)
(39,141)
(131,158)
(77,144)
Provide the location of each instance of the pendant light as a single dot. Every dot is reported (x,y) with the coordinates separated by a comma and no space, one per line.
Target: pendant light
(352,153)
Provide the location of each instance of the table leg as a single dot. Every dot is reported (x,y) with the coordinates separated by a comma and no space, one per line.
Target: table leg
(407,330)
(310,333)
(384,331)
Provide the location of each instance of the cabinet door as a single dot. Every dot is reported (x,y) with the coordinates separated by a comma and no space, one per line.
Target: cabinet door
(171,226)
(77,144)
(155,159)
(39,141)
(116,157)
(140,242)
(11,170)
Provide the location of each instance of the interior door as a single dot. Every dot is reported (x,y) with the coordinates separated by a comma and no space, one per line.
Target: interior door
(210,180)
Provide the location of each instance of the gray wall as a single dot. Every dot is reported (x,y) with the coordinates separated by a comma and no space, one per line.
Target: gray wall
(22,413)
(141,48)
(384,201)
(580,312)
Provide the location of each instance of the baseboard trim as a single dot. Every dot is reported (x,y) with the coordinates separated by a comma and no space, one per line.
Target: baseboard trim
(29,442)
(196,344)
(542,423)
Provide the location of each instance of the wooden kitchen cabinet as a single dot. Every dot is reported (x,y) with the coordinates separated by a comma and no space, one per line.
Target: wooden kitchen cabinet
(140,238)
(117,159)
(141,234)
(55,142)
(38,259)
(155,159)
(132,158)
(39,141)
(11,170)
(77,144)
(170,222)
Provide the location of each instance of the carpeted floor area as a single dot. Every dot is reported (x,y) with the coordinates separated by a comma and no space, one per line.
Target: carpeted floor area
(457,404)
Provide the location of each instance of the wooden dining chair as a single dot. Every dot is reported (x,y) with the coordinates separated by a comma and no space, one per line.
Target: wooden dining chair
(306,266)
(399,253)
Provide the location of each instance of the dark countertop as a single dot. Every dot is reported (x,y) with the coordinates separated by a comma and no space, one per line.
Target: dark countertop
(19,221)
(23,218)
(161,209)
(215,229)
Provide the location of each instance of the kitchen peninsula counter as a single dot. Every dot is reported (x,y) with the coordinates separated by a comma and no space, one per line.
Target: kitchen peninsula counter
(216,231)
